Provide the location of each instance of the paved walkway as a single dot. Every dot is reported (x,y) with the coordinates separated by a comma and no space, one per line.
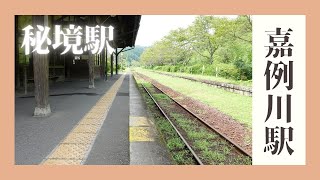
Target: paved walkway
(112,144)
(146,146)
(35,138)
(88,126)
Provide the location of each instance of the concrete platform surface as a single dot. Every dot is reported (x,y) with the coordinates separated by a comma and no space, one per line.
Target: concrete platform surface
(36,137)
(108,125)
(111,146)
(146,145)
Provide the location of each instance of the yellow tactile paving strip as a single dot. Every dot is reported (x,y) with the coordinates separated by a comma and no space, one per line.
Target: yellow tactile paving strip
(140,130)
(138,121)
(140,134)
(76,145)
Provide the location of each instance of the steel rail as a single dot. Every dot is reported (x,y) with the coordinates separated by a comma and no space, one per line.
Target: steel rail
(195,156)
(207,124)
(239,148)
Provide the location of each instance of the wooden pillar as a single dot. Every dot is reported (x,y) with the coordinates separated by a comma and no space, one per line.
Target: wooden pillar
(106,63)
(64,67)
(91,59)
(111,64)
(103,64)
(117,61)
(68,65)
(91,70)
(41,74)
(25,79)
(17,67)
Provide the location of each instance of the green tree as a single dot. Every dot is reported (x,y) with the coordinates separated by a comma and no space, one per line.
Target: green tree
(211,42)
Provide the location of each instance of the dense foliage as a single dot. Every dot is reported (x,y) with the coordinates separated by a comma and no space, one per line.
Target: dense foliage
(132,55)
(210,45)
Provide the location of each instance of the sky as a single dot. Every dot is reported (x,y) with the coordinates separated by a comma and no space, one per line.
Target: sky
(154,27)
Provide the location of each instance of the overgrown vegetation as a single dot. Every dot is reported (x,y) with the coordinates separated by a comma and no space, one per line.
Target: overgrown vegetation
(247,83)
(212,46)
(131,57)
(180,154)
(210,147)
(235,105)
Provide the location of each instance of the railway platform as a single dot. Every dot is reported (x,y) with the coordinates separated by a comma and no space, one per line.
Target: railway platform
(108,125)
(146,146)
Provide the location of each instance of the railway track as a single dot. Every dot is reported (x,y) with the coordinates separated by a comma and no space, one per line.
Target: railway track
(187,142)
(195,156)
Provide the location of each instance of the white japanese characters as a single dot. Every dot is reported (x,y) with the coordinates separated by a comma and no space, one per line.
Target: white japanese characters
(96,38)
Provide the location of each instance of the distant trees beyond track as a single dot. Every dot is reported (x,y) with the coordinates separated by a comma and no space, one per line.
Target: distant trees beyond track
(210,45)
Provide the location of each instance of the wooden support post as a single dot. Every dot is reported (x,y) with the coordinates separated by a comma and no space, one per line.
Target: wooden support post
(117,61)
(103,64)
(41,75)
(25,79)
(91,70)
(106,63)
(91,60)
(69,63)
(64,67)
(17,67)
(111,64)
(54,64)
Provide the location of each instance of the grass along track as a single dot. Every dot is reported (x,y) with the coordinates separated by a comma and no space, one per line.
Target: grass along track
(179,152)
(226,86)
(205,77)
(239,107)
(210,147)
